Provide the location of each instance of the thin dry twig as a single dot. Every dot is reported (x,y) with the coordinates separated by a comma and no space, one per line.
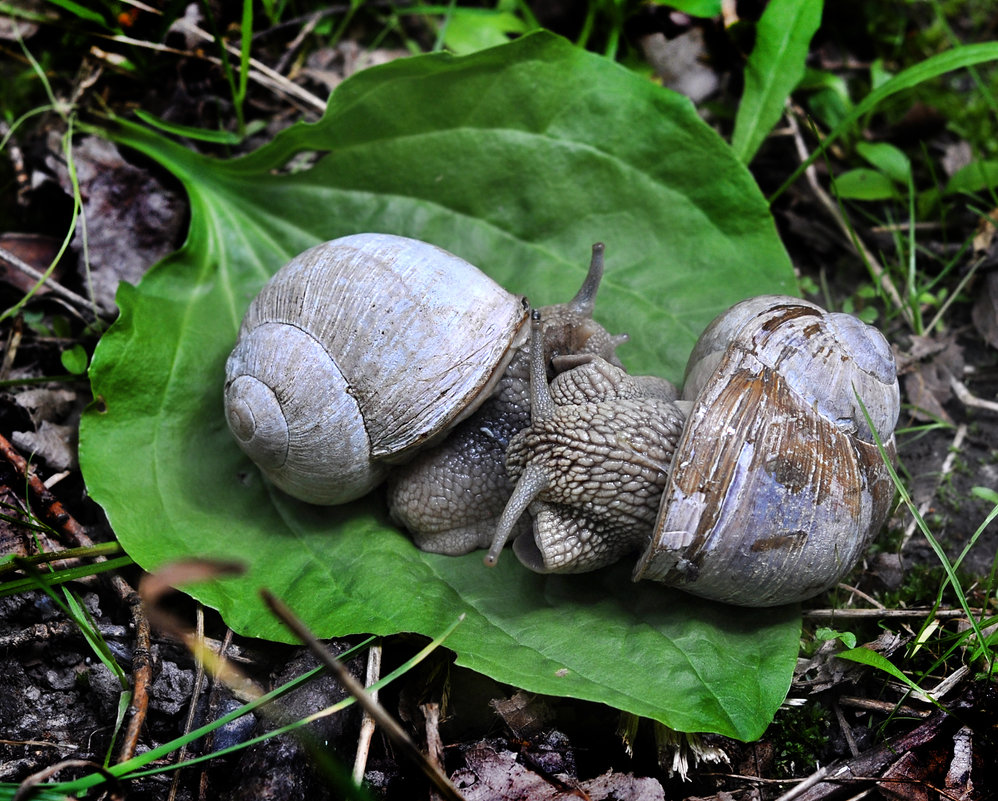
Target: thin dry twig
(869,766)
(26,788)
(968,398)
(199,675)
(830,206)
(80,303)
(367,724)
(53,510)
(805,785)
(260,72)
(914,612)
(141,676)
(844,728)
(883,707)
(387,723)
(10,349)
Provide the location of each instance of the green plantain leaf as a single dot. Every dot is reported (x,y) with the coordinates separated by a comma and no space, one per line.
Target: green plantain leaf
(516,159)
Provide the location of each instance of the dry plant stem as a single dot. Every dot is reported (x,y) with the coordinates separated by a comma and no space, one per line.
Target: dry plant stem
(944,687)
(884,707)
(945,470)
(260,73)
(154,586)
(858,592)
(805,785)
(13,343)
(434,745)
(141,677)
(292,49)
(842,781)
(970,399)
(195,698)
(388,724)
(53,510)
(833,210)
(41,744)
(80,303)
(846,731)
(367,724)
(919,612)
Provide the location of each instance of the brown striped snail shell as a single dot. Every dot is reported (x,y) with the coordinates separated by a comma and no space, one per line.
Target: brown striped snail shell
(778,486)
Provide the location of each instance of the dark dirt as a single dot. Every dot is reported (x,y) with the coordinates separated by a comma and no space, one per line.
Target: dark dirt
(58,702)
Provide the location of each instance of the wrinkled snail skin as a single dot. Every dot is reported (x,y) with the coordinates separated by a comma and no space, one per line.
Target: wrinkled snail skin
(341,369)
(767,493)
(451,495)
(590,467)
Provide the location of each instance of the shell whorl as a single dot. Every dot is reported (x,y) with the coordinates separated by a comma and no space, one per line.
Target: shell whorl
(358,352)
(292,414)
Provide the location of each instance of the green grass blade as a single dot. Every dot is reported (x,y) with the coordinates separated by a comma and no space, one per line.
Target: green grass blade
(933,67)
(62,576)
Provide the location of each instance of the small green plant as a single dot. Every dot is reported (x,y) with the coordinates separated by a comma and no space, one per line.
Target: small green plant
(799,735)
(145,764)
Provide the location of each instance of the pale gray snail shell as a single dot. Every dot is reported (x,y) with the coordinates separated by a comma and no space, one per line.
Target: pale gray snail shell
(777,485)
(358,352)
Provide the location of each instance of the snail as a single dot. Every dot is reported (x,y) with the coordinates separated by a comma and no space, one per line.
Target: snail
(763,485)
(362,351)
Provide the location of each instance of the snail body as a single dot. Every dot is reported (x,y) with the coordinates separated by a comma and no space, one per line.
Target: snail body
(451,495)
(768,493)
(375,354)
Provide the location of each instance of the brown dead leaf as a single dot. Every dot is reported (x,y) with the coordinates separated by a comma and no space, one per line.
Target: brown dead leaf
(55,415)
(823,671)
(985,311)
(36,251)
(905,780)
(524,714)
(928,368)
(984,237)
(54,443)
(132,221)
(492,774)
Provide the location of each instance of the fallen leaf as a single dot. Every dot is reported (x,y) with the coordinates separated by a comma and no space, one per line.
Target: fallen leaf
(54,443)
(133,221)
(984,238)
(496,775)
(929,367)
(681,63)
(985,311)
(36,251)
